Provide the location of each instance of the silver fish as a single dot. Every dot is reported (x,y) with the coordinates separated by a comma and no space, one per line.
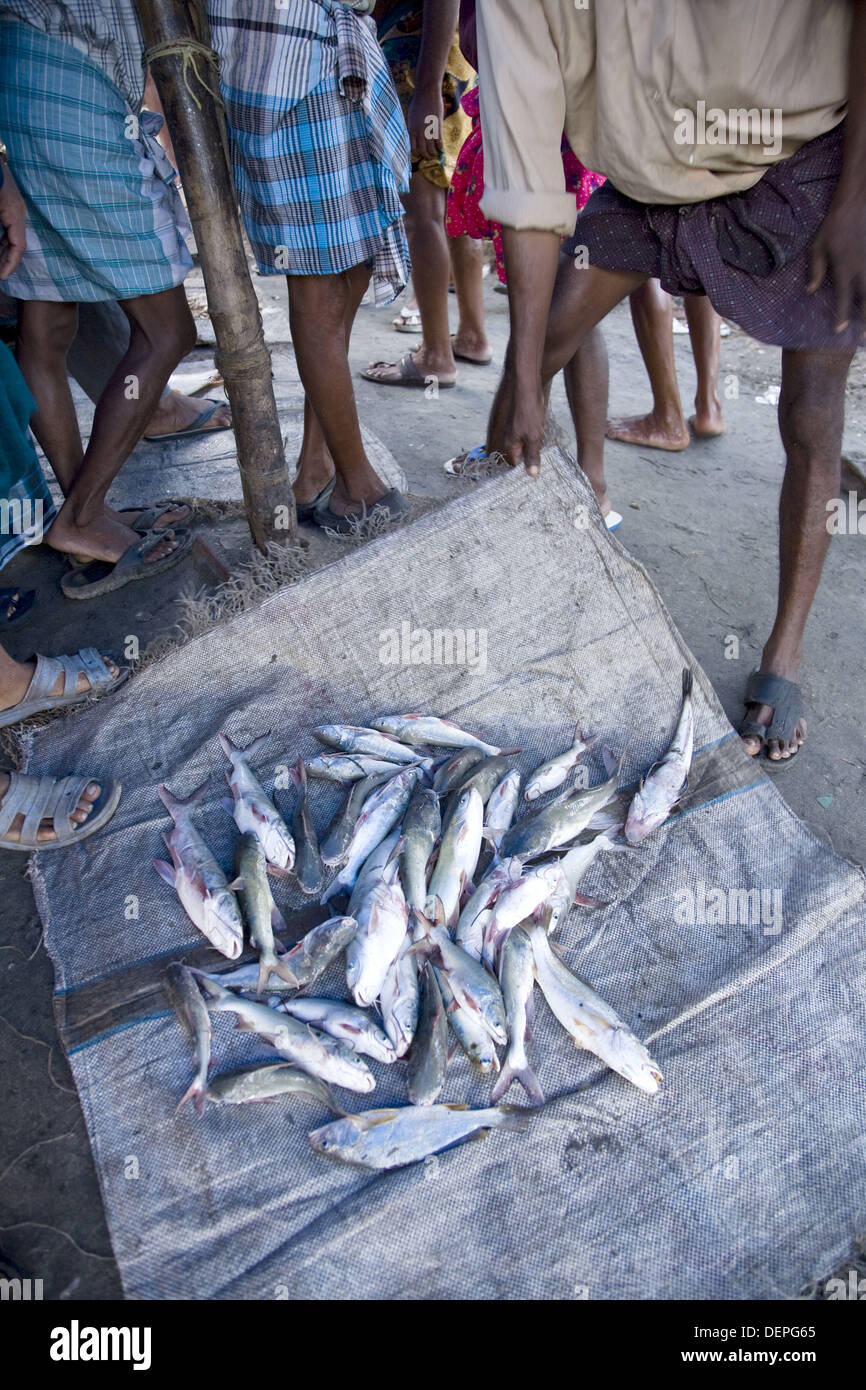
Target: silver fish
(381,1139)
(309,869)
(560,822)
(421,826)
(352,1026)
(458,856)
(298,1042)
(203,889)
(336,844)
(260,912)
(350,767)
(501,808)
(485,776)
(400,999)
(268,1083)
(454,769)
(665,782)
(469,1031)
(312,955)
(550,775)
(589,1020)
(372,870)
(428,1055)
(518,902)
(474,988)
(350,739)
(246,979)
(381,932)
(572,867)
(253,809)
(191,1010)
(476,912)
(381,813)
(427,729)
(517,978)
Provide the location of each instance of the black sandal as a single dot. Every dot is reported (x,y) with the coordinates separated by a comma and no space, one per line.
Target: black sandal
(15,604)
(391,508)
(786,699)
(307,510)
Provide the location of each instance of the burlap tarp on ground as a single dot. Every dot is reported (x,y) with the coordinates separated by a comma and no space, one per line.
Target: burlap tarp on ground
(743,1178)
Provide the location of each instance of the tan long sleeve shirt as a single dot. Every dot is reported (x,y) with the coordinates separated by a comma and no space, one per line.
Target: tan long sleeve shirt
(675,101)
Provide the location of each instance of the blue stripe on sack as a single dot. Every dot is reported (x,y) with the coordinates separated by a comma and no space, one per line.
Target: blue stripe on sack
(119,1028)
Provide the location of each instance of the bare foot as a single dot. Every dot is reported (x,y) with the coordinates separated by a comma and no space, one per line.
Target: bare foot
(471,349)
(102,539)
(707,421)
(16,685)
(46,830)
(176,411)
(646,430)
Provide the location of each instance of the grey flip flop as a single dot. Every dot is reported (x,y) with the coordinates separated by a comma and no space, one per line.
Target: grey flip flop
(390,508)
(151,512)
(99,577)
(307,510)
(197,426)
(52,799)
(786,699)
(38,697)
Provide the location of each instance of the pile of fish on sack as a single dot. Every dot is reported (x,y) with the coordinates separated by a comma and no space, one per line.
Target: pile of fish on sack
(434,945)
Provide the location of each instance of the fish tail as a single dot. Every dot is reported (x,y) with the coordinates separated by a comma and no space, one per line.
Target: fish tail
(688,681)
(528,1080)
(298,774)
(279,967)
(196,1093)
(174,803)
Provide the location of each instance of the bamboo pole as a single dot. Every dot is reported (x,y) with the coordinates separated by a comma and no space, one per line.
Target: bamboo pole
(242,357)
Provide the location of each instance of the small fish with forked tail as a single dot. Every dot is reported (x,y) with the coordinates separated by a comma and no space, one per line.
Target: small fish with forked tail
(188,1004)
(253,809)
(665,783)
(204,891)
(381,1139)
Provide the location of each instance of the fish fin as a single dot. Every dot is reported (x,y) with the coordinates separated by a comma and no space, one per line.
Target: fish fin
(265,969)
(517,1118)
(604,820)
(227,744)
(164,870)
(527,1078)
(276,872)
(227,804)
(688,682)
(581,900)
(243,1027)
(196,1094)
(456,1105)
(278,921)
(610,760)
(396,852)
(236,885)
(174,803)
(438,918)
(509,752)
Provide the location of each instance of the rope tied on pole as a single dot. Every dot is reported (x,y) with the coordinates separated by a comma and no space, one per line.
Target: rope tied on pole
(244,362)
(190,50)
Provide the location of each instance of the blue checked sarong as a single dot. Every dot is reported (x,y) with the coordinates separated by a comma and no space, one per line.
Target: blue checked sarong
(26,508)
(319,147)
(104,217)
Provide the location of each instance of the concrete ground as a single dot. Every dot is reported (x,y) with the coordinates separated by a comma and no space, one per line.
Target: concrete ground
(703,522)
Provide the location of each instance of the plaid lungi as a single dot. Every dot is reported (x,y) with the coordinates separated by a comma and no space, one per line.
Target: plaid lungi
(319,148)
(748,252)
(104,217)
(26,508)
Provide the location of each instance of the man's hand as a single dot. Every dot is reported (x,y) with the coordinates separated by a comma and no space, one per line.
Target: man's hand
(424,122)
(12,220)
(840,248)
(525,431)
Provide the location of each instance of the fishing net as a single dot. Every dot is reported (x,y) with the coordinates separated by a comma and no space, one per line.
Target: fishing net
(732,942)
